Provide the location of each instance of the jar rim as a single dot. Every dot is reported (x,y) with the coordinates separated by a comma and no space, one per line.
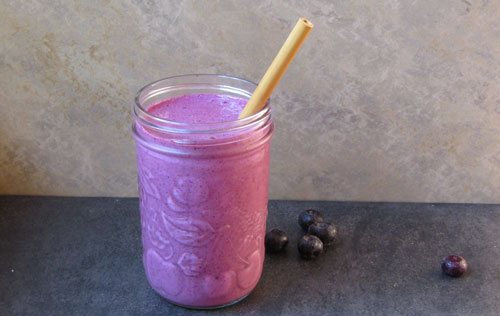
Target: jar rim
(165,125)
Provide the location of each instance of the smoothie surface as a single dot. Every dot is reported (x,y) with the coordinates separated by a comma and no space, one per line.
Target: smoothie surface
(199,108)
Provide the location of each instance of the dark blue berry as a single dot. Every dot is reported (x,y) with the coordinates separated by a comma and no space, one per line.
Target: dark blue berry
(276,240)
(308,217)
(454,265)
(310,247)
(324,231)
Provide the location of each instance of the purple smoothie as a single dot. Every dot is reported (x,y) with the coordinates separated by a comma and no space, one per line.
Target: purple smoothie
(204,205)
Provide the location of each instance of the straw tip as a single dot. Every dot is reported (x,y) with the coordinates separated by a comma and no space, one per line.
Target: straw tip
(306,22)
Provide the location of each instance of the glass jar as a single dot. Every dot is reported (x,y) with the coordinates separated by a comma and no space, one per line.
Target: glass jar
(203,192)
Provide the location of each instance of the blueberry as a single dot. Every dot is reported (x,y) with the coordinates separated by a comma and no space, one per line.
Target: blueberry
(324,231)
(454,265)
(310,247)
(276,240)
(308,217)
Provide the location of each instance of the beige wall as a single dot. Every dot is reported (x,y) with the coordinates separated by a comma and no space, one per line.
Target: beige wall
(387,100)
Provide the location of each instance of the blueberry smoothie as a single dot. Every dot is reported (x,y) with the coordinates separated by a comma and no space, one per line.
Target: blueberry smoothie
(203,198)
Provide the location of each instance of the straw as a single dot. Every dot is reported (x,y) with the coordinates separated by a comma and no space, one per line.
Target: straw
(277,68)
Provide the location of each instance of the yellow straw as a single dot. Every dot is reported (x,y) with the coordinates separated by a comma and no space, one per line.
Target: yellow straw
(277,68)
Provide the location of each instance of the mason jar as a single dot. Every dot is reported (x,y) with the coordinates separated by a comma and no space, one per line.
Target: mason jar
(203,193)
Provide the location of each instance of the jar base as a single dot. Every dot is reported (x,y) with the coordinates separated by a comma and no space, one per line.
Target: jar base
(207,307)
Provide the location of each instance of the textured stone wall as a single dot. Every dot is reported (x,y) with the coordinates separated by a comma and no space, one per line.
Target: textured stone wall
(387,100)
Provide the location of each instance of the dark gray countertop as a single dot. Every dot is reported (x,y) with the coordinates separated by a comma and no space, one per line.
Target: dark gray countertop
(82,256)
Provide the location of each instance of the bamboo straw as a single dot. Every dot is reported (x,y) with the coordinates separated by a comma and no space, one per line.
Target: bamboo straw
(277,68)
